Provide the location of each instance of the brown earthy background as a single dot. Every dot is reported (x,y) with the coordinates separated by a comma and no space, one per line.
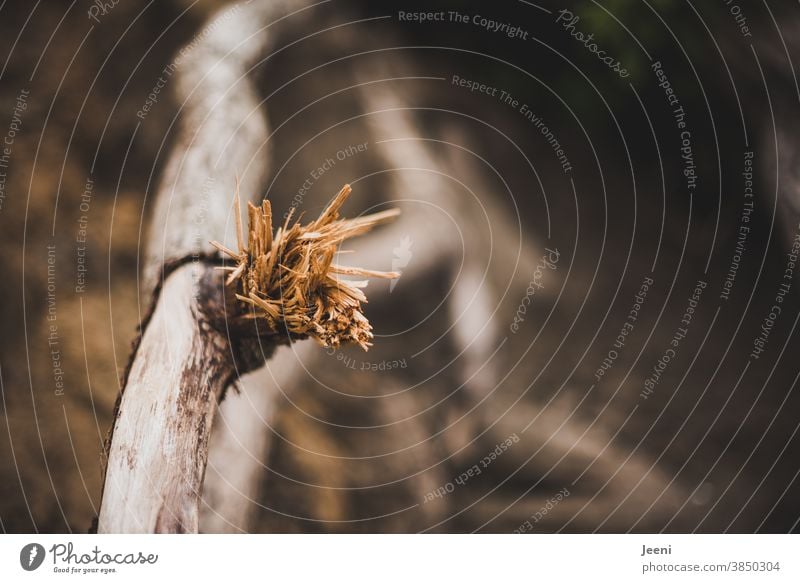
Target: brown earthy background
(356,447)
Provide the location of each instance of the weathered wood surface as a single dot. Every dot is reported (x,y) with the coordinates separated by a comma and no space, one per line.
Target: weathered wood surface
(242,438)
(156,462)
(158,446)
(222,130)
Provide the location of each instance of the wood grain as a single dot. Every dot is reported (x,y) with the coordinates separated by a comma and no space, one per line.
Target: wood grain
(184,360)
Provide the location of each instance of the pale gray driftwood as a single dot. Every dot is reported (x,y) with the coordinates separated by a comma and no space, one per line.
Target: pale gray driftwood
(158,446)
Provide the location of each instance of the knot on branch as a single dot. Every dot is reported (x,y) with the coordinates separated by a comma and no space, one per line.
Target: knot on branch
(288,280)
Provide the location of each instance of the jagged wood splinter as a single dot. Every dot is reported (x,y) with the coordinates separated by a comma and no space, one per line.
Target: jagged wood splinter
(289,279)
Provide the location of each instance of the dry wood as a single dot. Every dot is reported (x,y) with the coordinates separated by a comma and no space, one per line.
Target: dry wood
(157,454)
(242,439)
(289,280)
(157,449)
(436,254)
(184,358)
(221,130)
(197,342)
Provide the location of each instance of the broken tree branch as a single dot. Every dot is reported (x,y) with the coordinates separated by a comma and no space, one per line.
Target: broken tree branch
(158,445)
